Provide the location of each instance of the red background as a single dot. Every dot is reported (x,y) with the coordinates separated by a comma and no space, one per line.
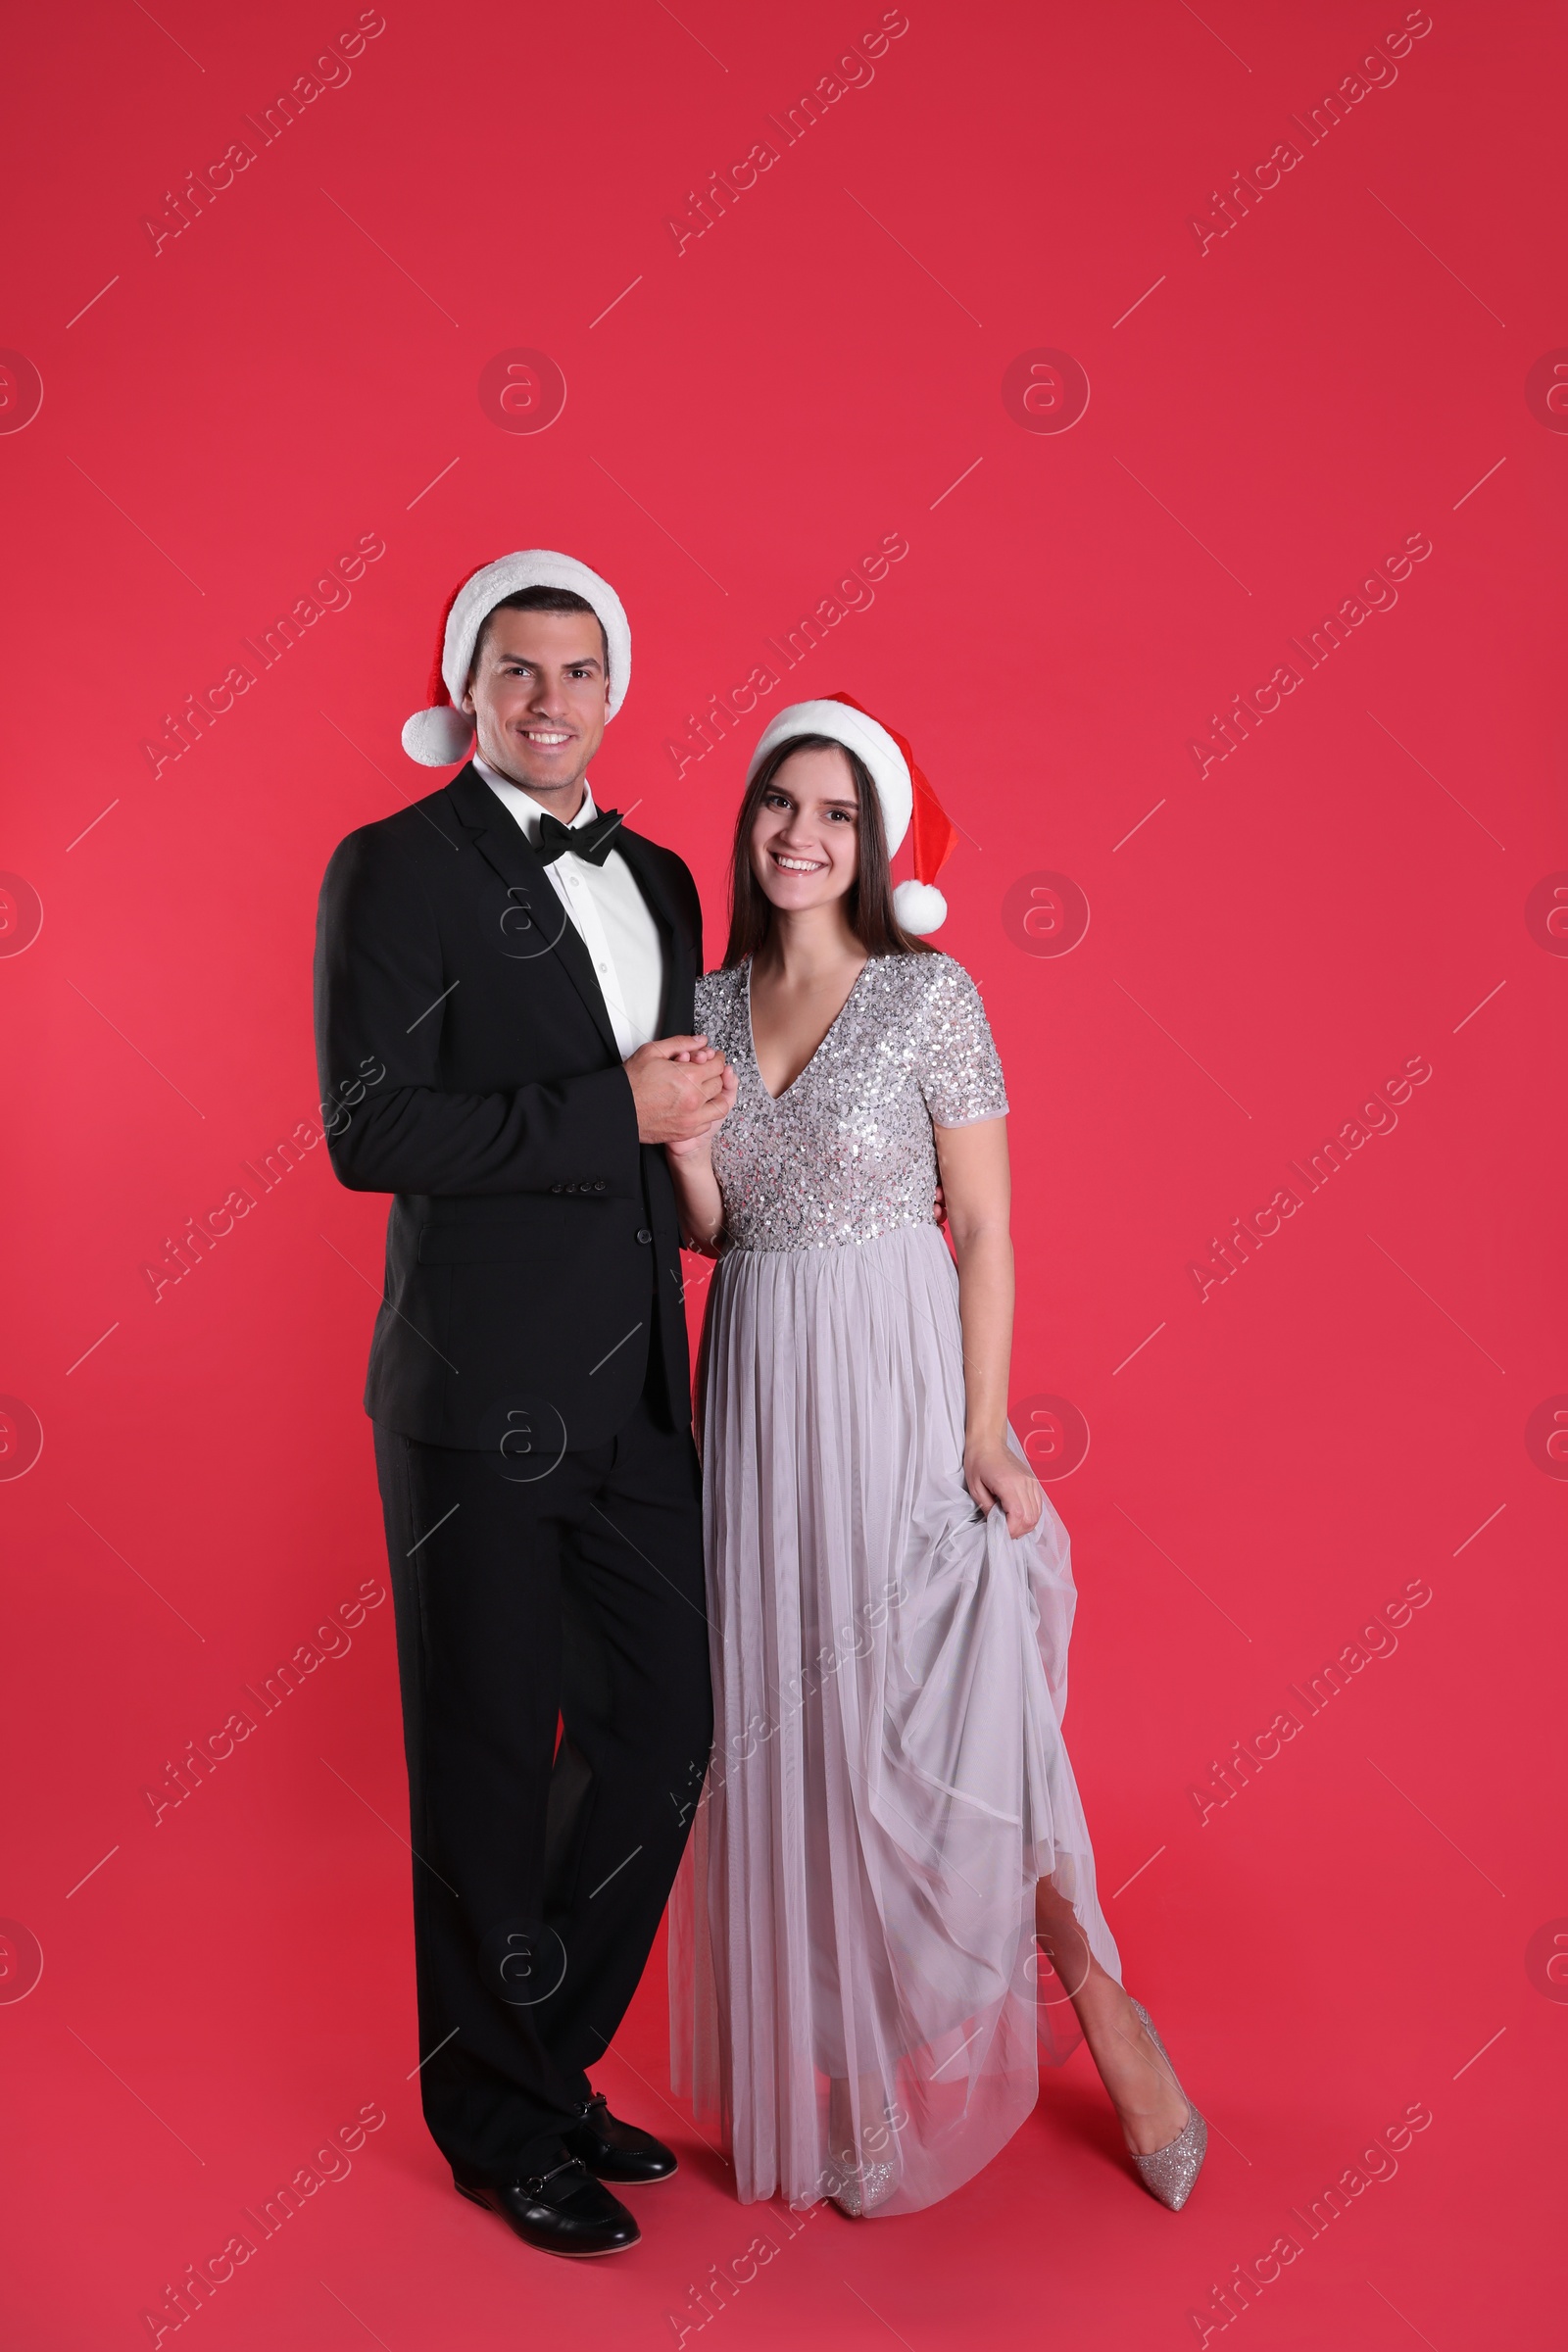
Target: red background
(1367,1923)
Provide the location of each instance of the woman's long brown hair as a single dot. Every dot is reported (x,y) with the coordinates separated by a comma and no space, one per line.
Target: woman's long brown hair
(868,904)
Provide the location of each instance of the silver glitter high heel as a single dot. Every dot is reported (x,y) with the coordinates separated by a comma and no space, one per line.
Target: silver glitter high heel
(859,2192)
(860,2181)
(1169,2172)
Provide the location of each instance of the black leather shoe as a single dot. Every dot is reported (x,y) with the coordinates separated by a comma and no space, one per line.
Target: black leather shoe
(563,2211)
(616,2152)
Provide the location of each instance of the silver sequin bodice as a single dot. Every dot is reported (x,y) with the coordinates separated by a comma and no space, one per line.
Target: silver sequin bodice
(846,1154)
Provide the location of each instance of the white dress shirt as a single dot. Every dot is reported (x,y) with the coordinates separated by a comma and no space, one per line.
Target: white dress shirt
(607,905)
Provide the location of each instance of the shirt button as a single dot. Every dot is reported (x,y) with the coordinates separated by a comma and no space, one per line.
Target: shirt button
(643,1234)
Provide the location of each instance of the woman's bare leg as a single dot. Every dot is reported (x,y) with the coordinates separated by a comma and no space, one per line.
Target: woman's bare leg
(1150,2107)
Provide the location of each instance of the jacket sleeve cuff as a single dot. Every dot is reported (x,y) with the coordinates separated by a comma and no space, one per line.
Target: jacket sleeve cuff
(601,1139)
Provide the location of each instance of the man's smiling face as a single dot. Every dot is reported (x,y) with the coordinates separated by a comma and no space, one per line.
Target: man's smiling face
(539,694)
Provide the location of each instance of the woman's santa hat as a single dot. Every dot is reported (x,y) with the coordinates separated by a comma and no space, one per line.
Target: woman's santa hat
(901,788)
(443,734)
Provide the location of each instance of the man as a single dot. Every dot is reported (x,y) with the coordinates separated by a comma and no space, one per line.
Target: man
(524,967)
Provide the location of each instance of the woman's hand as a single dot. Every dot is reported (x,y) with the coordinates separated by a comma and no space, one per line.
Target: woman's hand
(699,1147)
(699,1203)
(997,1478)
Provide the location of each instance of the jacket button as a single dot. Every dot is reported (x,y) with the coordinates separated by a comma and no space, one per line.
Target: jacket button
(555,1188)
(599,1184)
(643,1234)
(570,1188)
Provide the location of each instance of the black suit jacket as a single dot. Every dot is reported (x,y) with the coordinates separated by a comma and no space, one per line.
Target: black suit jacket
(469,1066)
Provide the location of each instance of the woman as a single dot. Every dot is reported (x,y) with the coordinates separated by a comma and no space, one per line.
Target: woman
(891,1815)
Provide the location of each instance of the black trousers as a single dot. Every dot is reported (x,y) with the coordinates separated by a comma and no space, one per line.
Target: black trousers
(527,1591)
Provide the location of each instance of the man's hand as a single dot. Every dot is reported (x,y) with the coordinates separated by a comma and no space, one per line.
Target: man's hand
(701,1147)
(679,1087)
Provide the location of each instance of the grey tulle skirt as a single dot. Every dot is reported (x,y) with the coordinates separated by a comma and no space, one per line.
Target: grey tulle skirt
(856,1994)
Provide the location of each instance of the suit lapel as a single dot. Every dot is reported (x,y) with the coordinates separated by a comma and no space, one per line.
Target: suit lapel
(504,845)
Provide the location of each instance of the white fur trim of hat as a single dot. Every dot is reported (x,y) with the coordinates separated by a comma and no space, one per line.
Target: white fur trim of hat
(919,906)
(442,734)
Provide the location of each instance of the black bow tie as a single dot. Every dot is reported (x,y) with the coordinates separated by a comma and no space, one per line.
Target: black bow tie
(593,841)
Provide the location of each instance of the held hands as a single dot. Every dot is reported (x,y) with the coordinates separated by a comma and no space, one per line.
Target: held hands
(699,1147)
(682,1088)
(995,1476)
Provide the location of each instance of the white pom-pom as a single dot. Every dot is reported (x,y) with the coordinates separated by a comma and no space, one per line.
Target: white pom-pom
(437,736)
(920,908)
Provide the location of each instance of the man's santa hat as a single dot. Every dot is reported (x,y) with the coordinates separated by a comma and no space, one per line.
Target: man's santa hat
(901,788)
(443,734)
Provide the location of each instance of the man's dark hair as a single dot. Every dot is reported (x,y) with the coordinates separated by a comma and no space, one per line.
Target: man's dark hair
(538,599)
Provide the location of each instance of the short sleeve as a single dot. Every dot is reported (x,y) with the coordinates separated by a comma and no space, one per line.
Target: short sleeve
(961,1076)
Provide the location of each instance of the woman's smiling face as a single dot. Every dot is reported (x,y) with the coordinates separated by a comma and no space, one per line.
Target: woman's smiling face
(806,847)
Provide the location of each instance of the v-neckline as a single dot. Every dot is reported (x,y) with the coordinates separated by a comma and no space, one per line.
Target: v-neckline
(822,1043)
